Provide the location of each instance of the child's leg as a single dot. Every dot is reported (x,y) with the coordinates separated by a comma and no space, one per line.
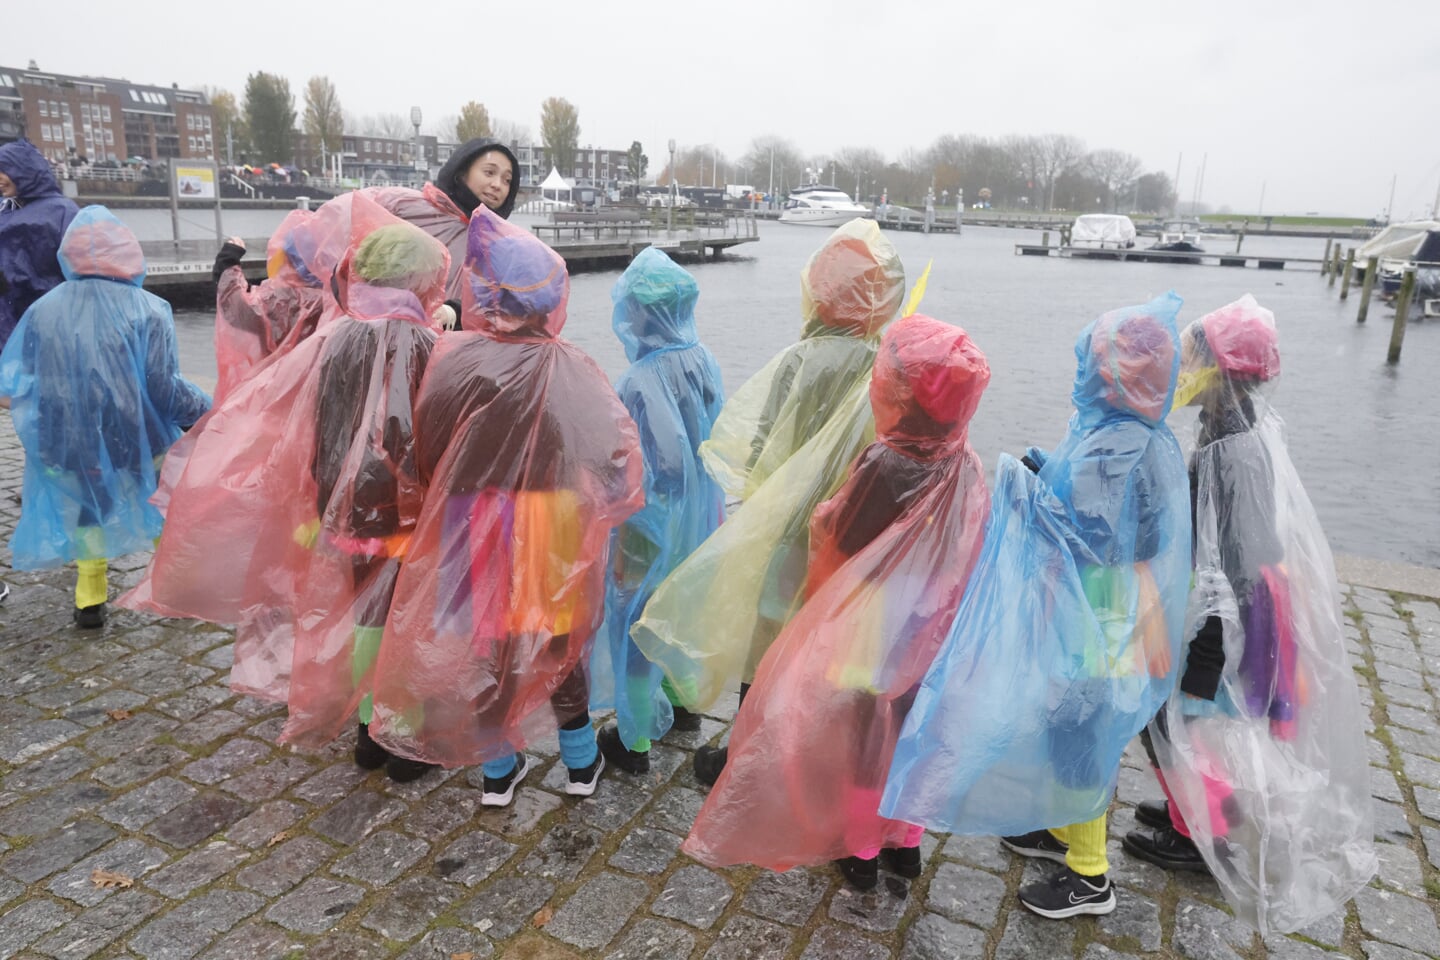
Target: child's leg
(570,701)
(91,585)
(1087,847)
(374,579)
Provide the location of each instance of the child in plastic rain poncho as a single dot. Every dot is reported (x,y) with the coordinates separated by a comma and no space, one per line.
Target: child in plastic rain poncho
(251,323)
(529,462)
(97,397)
(890,554)
(1063,646)
(782,444)
(1262,748)
(673,391)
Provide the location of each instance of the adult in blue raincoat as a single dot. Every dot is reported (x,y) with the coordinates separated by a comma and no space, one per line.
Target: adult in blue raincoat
(674,393)
(93,378)
(1064,644)
(33,217)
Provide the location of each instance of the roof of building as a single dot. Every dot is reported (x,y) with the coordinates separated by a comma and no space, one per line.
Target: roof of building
(134,97)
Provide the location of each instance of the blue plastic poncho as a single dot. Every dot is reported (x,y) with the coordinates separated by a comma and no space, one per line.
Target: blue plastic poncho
(31,225)
(97,397)
(1064,644)
(673,392)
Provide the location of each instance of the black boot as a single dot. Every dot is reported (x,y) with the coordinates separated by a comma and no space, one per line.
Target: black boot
(90,618)
(617,754)
(860,874)
(369,755)
(1153,813)
(709,762)
(1165,847)
(902,861)
(685,721)
(402,770)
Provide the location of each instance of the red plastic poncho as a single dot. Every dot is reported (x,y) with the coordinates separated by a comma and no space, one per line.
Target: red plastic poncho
(890,555)
(253,322)
(530,461)
(435,213)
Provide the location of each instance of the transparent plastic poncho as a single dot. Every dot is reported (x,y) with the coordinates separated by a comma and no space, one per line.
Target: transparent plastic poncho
(435,213)
(251,323)
(1269,769)
(782,443)
(97,398)
(673,392)
(529,462)
(1064,645)
(890,555)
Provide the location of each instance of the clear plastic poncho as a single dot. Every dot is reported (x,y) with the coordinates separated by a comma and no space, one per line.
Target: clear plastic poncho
(97,398)
(1064,645)
(1271,775)
(251,323)
(890,555)
(529,461)
(673,391)
(799,422)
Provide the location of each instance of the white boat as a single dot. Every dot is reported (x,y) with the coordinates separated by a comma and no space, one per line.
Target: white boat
(821,206)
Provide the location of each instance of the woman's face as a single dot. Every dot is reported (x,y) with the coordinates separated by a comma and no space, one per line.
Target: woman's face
(7,186)
(489,178)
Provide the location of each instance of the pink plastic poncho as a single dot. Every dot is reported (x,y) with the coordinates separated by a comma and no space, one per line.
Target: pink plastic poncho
(435,213)
(251,323)
(530,461)
(890,554)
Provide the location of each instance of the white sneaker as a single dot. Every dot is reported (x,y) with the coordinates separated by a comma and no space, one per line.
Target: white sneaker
(4,591)
(499,792)
(582,783)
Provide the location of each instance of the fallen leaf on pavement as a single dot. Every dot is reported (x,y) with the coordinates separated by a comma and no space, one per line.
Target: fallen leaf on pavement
(280,837)
(544,916)
(107,880)
(118,714)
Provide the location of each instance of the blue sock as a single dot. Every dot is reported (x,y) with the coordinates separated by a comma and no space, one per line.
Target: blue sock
(577,747)
(495,769)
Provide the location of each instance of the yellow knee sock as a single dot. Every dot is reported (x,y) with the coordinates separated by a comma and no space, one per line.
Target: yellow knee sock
(1087,847)
(91,586)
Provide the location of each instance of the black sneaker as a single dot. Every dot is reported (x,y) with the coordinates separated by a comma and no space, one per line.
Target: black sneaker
(709,762)
(1039,844)
(499,791)
(582,783)
(402,770)
(1165,847)
(369,755)
(90,618)
(860,874)
(685,721)
(616,753)
(1067,894)
(902,861)
(1153,813)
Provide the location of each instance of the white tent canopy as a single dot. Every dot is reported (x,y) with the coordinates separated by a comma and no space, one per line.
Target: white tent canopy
(555,185)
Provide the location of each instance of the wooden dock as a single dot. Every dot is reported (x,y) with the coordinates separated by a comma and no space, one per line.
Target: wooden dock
(585,239)
(1141,255)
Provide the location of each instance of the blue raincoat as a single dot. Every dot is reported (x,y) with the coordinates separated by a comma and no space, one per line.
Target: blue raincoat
(1065,642)
(97,398)
(673,392)
(31,225)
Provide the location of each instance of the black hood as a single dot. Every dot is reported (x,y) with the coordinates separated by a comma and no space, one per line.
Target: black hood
(449,178)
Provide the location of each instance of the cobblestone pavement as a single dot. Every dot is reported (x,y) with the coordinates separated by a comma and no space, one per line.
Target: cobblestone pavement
(124,751)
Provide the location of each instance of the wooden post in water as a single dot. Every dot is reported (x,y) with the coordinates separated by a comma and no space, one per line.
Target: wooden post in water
(1334,266)
(1045,240)
(1372,267)
(1349,269)
(1325,261)
(1402,314)
(1240,237)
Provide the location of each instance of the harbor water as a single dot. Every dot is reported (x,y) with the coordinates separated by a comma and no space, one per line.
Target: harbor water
(1362,433)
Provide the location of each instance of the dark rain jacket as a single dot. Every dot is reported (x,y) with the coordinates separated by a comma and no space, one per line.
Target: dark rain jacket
(30,232)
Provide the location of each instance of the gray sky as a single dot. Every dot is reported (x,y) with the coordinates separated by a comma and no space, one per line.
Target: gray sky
(1322,101)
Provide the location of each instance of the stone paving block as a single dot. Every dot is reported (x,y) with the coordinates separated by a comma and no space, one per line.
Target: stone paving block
(195,870)
(1329,931)
(268,780)
(415,789)
(965,894)
(977,851)
(841,943)
(51,810)
(221,658)
(193,702)
(347,945)
(209,727)
(1427,801)
(268,730)
(84,658)
(352,819)
(260,827)
(1398,919)
(790,897)
(1425,745)
(382,858)
(614,804)
(255,707)
(1400,868)
(591,918)
(56,851)
(1374,950)
(1390,673)
(563,852)
(27,923)
(1384,785)
(878,911)
(1406,696)
(1029,937)
(1284,948)
(473,858)
(1098,951)
(442,812)
(1377,752)
(288,864)
(48,771)
(653,940)
(1125,870)
(94,930)
(447,943)
(331,784)
(503,907)
(1391,824)
(932,937)
(198,819)
(234,756)
(193,925)
(118,738)
(141,764)
(142,805)
(131,858)
(1135,917)
(1419,720)
(750,938)
(1205,933)
(19,744)
(408,907)
(646,850)
(255,940)
(315,906)
(96,710)
(524,814)
(693,895)
(675,810)
(1397,656)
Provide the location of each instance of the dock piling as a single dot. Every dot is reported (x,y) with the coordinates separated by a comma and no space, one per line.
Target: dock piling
(1372,267)
(1402,314)
(1334,266)
(1349,269)
(1325,260)
(1045,239)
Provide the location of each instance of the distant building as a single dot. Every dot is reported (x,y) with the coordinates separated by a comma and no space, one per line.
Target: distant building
(100,118)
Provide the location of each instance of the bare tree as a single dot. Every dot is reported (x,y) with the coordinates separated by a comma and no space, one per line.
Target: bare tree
(393,126)
(1117,172)
(444,128)
(510,132)
(324,118)
(1058,153)
(861,166)
(695,166)
(772,153)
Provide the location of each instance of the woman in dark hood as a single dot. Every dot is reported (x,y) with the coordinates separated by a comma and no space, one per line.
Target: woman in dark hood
(34,215)
(476,173)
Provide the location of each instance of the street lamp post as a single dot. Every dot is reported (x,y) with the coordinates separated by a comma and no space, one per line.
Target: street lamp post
(415,120)
(670,211)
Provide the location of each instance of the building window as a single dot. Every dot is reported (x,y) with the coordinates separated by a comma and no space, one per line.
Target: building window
(134,96)
(207,123)
(44,131)
(85,110)
(366,146)
(105,112)
(192,144)
(109,137)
